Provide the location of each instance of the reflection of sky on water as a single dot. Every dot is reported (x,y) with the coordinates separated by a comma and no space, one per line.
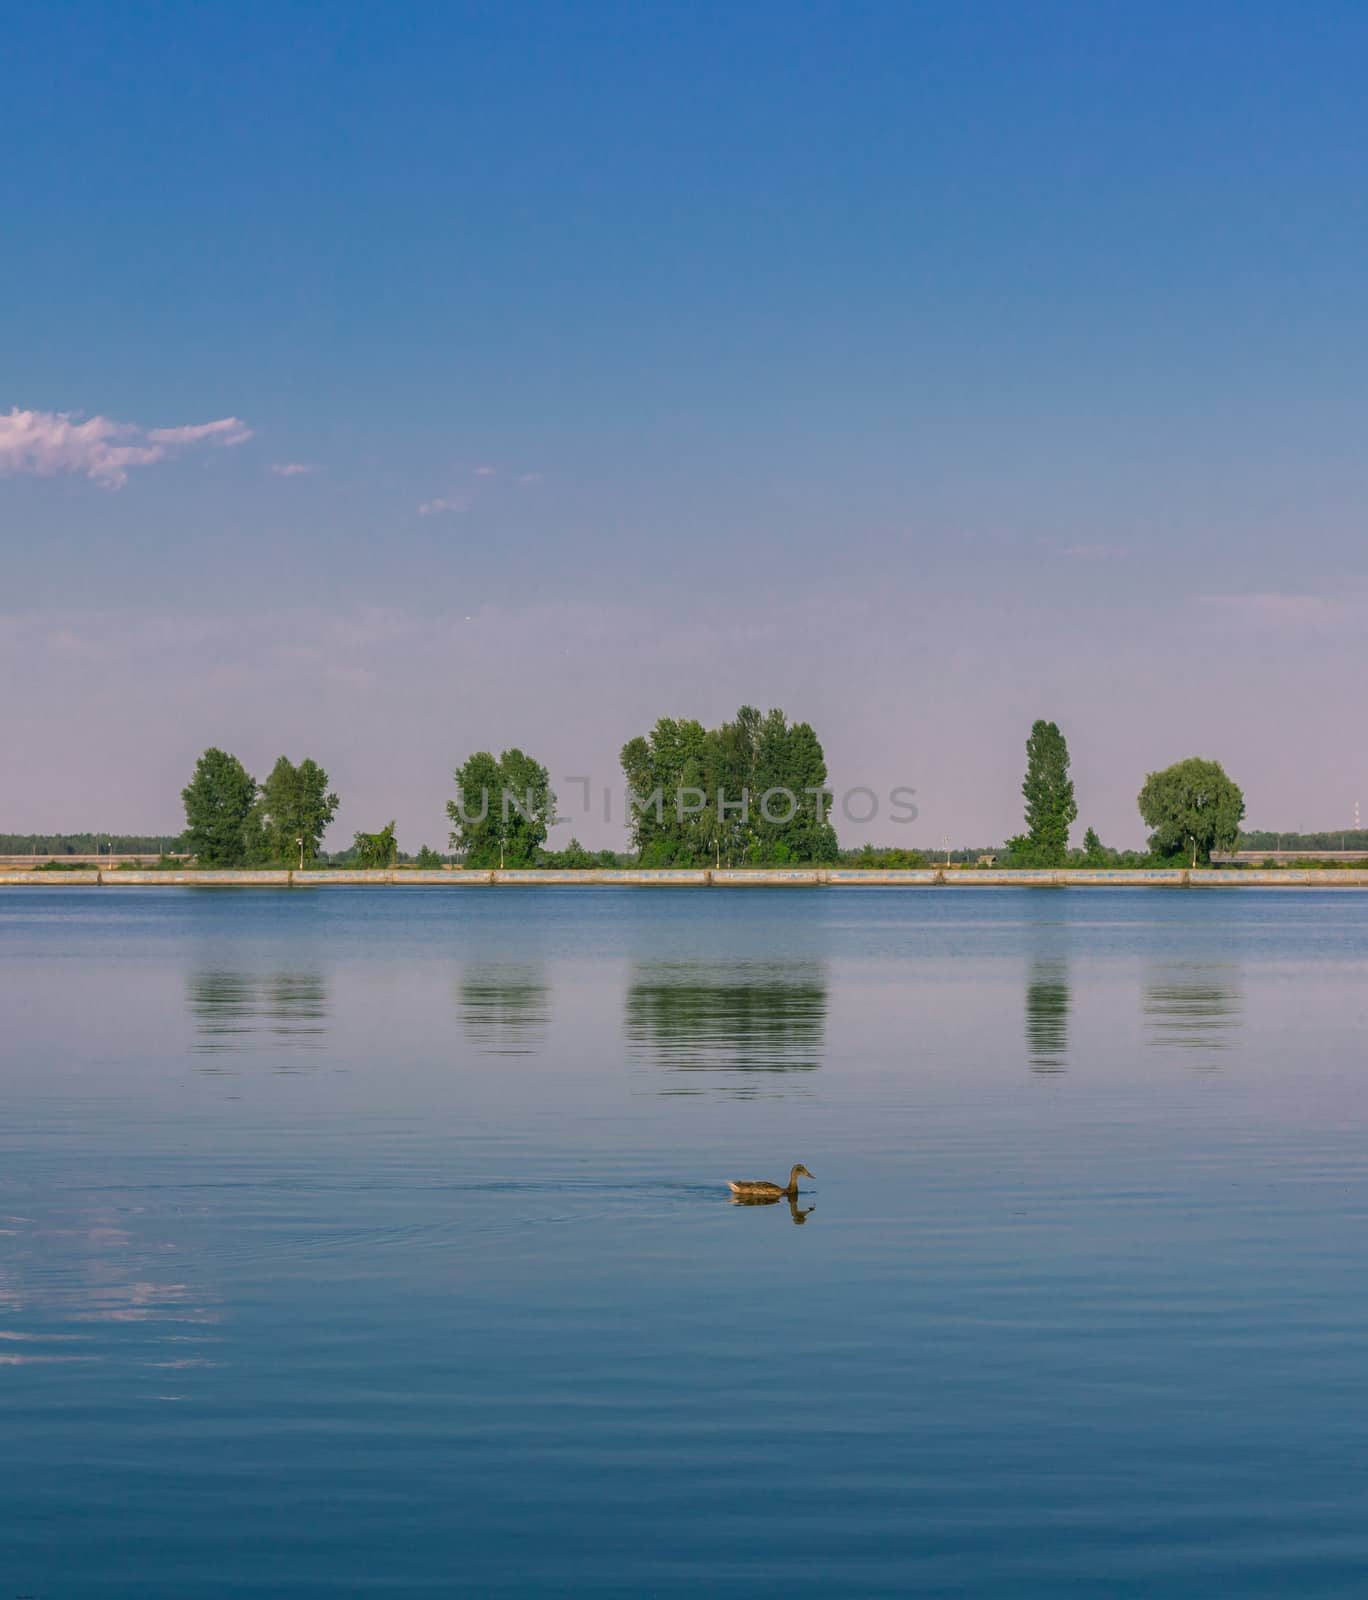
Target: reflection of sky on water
(69,1270)
(411,1299)
(740,1026)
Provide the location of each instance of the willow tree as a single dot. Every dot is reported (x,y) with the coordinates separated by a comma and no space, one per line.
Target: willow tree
(1193,807)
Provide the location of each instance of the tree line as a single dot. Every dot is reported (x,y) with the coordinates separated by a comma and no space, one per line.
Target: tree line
(231,820)
(752,791)
(1337,839)
(88,844)
(1192,807)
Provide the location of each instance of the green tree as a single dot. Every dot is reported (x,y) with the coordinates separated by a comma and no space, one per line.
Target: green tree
(1050,805)
(1193,808)
(869,856)
(1095,853)
(666,828)
(428,859)
(573,858)
(810,835)
(503,810)
(476,834)
(753,789)
(529,807)
(375,849)
(295,812)
(218,810)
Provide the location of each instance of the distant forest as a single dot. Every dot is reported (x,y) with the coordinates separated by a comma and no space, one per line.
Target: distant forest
(85,844)
(1339,839)
(129,844)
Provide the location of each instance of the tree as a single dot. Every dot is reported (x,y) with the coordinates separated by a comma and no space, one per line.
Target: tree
(1050,805)
(667,827)
(1193,807)
(503,809)
(753,789)
(375,849)
(428,859)
(295,811)
(869,856)
(218,810)
(1095,853)
(529,805)
(810,835)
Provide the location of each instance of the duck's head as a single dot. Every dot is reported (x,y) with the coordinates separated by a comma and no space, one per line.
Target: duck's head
(800,1171)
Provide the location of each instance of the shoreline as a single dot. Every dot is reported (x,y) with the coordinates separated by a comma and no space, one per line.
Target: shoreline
(711,877)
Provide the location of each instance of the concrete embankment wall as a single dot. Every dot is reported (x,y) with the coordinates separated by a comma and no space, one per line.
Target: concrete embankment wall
(719,878)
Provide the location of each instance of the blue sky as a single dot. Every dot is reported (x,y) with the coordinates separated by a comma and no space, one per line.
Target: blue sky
(921,369)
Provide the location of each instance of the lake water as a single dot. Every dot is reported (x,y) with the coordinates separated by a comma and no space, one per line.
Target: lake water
(377,1241)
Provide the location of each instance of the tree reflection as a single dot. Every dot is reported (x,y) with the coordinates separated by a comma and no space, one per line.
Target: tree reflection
(235,1010)
(735,1027)
(505,1006)
(1048,1003)
(1194,1006)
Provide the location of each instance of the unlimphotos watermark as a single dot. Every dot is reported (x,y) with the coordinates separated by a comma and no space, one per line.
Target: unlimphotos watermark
(777,806)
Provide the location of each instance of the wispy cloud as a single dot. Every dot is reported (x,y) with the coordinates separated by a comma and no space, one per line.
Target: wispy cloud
(529,478)
(226,431)
(485,472)
(46,443)
(292,469)
(1093,552)
(1274,608)
(431,508)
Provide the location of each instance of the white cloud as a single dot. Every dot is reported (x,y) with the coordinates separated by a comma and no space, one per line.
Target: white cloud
(485,472)
(226,431)
(292,469)
(431,508)
(46,443)
(528,478)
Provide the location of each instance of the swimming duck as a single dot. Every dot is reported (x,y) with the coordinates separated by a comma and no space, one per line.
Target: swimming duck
(770,1191)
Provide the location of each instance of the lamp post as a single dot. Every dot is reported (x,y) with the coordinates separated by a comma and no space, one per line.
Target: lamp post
(299,840)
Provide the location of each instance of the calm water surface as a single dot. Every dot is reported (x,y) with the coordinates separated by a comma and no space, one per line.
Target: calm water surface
(376,1242)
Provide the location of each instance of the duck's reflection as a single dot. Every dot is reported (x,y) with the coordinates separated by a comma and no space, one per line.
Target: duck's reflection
(234,1009)
(1194,1006)
(738,1027)
(1048,1003)
(798,1214)
(505,1006)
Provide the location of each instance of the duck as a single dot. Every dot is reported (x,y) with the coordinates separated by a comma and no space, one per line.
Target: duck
(759,1190)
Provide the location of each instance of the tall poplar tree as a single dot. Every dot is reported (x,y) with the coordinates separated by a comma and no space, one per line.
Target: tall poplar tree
(1050,805)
